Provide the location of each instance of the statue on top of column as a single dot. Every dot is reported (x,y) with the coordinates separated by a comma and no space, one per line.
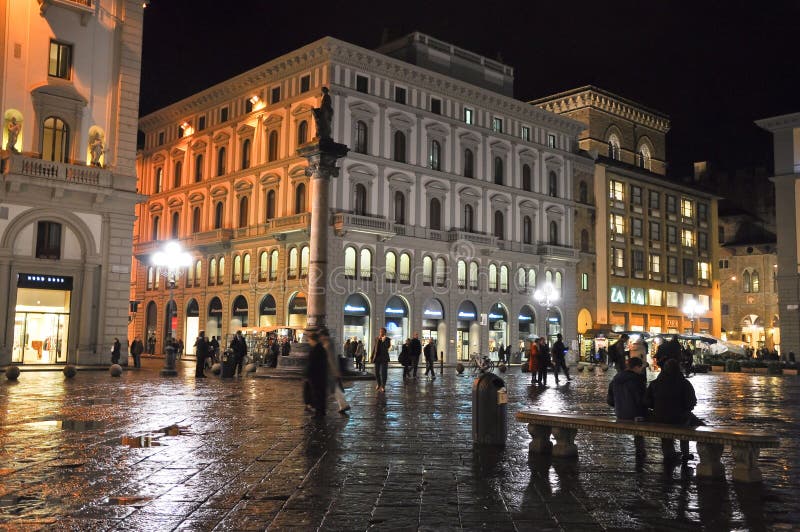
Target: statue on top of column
(323,116)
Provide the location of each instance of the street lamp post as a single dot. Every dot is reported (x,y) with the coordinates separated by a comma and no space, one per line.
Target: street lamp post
(692,309)
(172,259)
(546,296)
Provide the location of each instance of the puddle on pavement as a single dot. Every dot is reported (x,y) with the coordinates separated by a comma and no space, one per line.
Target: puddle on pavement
(175,430)
(129,500)
(138,442)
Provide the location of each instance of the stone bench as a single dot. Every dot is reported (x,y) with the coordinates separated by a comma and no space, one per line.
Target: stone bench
(711,441)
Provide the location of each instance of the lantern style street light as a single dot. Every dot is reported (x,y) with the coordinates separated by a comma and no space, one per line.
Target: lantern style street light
(546,296)
(171,261)
(692,309)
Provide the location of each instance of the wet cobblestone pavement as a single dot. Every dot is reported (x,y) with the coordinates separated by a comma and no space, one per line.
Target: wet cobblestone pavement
(143,452)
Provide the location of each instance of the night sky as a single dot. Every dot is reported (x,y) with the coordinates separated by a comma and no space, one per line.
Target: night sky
(712,67)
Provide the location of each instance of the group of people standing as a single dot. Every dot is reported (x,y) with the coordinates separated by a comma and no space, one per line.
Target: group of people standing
(206,350)
(410,353)
(354,348)
(541,357)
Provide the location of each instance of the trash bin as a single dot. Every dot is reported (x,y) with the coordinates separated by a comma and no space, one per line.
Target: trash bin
(228,364)
(489,410)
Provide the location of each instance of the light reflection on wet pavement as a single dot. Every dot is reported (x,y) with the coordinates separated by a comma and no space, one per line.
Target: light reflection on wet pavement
(148,453)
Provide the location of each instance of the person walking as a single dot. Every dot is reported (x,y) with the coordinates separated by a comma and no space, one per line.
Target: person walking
(136,349)
(430,358)
(239,348)
(560,358)
(617,354)
(380,357)
(116,351)
(416,351)
(405,358)
(334,374)
(316,376)
(533,361)
(543,361)
(672,398)
(360,355)
(626,394)
(201,347)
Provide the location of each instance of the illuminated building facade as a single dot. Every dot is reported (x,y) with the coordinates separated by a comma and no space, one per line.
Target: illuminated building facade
(654,239)
(454,203)
(69,103)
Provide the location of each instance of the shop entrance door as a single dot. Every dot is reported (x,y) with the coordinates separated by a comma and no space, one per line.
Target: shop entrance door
(40,338)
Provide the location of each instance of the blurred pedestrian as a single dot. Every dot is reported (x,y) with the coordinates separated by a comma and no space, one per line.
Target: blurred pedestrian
(214,351)
(617,353)
(361,354)
(201,347)
(334,374)
(543,361)
(430,358)
(380,357)
(559,353)
(672,398)
(136,350)
(316,376)
(179,348)
(116,351)
(626,394)
(239,347)
(405,358)
(416,350)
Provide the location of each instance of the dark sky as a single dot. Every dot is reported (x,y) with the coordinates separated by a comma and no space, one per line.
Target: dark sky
(712,67)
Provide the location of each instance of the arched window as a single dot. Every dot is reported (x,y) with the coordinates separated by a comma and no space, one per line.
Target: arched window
(221,154)
(270,205)
(176,224)
(154,233)
(246,267)
(361,137)
(521,280)
(399,146)
(583,192)
(526,177)
(441,272)
(584,240)
(55,140)
(294,260)
(469,218)
(365,264)
(548,276)
(221,270)
(304,260)
(158,186)
(493,278)
(613,147)
(218,215)
(198,271)
(435,155)
(498,171)
(473,275)
(350,262)
(399,208)
(435,214)
(427,270)
(151,272)
(559,281)
(189,277)
(243,206)
(554,233)
(469,163)
(746,281)
(300,199)
(504,278)
(755,284)
(360,194)
(263,265)
(552,184)
(237,269)
(177,170)
(212,271)
(461,274)
(272,146)
(391,266)
(302,132)
(499,230)
(527,230)
(643,157)
(245,154)
(273,265)
(531,278)
(196,220)
(198,168)
(405,268)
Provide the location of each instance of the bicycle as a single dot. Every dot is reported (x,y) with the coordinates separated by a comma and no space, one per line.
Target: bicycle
(480,364)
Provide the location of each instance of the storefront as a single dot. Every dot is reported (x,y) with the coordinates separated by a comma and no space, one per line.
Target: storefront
(467,331)
(192,326)
(498,328)
(553,325)
(297,311)
(396,321)
(41,322)
(527,326)
(240,311)
(267,311)
(214,323)
(356,318)
(433,324)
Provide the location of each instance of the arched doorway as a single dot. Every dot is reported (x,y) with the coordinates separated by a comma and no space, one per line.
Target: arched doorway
(171,320)
(297,310)
(527,326)
(467,330)
(586,345)
(214,318)
(150,320)
(553,325)
(239,313)
(356,318)
(192,326)
(433,324)
(267,311)
(498,328)
(396,321)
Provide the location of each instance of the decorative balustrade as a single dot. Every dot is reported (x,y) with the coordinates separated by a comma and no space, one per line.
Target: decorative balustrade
(66,173)
(343,222)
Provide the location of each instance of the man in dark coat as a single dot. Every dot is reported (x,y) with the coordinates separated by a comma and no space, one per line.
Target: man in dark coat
(316,374)
(416,350)
(380,357)
(616,353)
(542,361)
(136,349)
(201,352)
(239,348)
(430,358)
(559,354)
(668,350)
(672,398)
(214,348)
(116,351)
(626,394)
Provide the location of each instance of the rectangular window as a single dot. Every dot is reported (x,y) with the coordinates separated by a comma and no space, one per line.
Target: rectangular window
(497,124)
(672,299)
(618,255)
(687,237)
(672,234)
(672,205)
(60,64)
(362,84)
(469,116)
(526,133)
(636,196)
(702,212)
(688,271)
(275,94)
(223,114)
(305,83)
(687,208)
(48,240)
(636,227)
(617,224)
(551,140)
(726,310)
(702,241)
(672,266)
(160,138)
(637,296)
(705,301)
(400,95)
(201,123)
(655,263)
(616,190)
(654,297)
(584,282)
(436,106)
(655,231)
(638,260)
(618,294)
(703,271)
(655,200)
(723,264)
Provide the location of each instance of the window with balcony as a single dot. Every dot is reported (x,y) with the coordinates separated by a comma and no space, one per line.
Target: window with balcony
(300,199)
(196,220)
(176,225)
(616,190)
(176,174)
(221,160)
(48,240)
(499,227)
(643,157)
(159,180)
(360,194)
(361,137)
(272,146)
(469,163)
(526,177)
(270,214)
(435,156)
(55,140)
(302,134)
(435,214)
(554,236)
(294,264)
(399,208)
(154,228)
(527,230)
(219,209)
(613,147)
(399,146)
(243,211)
(498,171)
(60,60)
(151,274)
(552,184)
(469,219)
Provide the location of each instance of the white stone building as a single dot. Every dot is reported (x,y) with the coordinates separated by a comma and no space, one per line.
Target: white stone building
(454,202)
(69,103)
